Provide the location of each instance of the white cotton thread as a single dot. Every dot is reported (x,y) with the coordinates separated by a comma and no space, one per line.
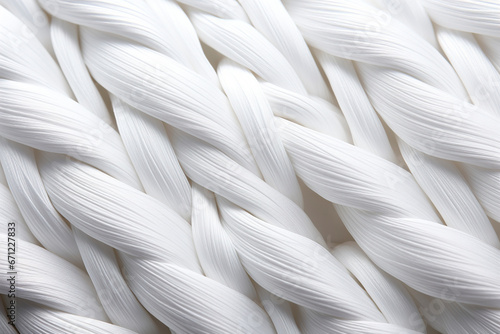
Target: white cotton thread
(189,209)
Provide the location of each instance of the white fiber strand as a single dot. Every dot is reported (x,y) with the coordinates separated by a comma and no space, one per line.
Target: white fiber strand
(149,148)
(216,252)
(69,56)
(257,120)
(390,295)
(446,187)
(44,221)
(250,166)
(365,126)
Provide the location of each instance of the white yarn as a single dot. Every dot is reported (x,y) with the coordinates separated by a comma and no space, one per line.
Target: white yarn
(20,50)
(391,297)
(2,176)
(9,212)
(366,128)
(491,47)
(215,250)
(69,56)
(411,13)
(451,317)
(242,43)
(367,227)
(434,130)
(430,142)
(484,182)
(107,287)
(199,224)
(478,16)
(73,293)
(35,20)
(279,311)
(29,192)
(38,117)
(220,8)
(116,297)
(446,187)
(256,118)
(153,157)
(117,300)
(36,319)
(272,20)
(257,260)
(311,112)
(253,241)
(215,122)
(108,82)
(464,53)
(156,246)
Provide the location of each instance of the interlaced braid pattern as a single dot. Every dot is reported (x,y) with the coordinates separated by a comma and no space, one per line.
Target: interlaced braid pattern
(186,166)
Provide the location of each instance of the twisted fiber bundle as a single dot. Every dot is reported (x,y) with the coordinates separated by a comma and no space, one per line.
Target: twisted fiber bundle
(177,202)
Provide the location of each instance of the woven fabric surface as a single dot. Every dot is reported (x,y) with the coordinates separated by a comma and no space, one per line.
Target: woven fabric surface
(250,166)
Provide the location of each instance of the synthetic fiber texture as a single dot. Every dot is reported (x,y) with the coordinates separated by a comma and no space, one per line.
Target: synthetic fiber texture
(249,166)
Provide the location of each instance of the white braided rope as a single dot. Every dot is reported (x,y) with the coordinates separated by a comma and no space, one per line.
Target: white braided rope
(190,210)
(296,224)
